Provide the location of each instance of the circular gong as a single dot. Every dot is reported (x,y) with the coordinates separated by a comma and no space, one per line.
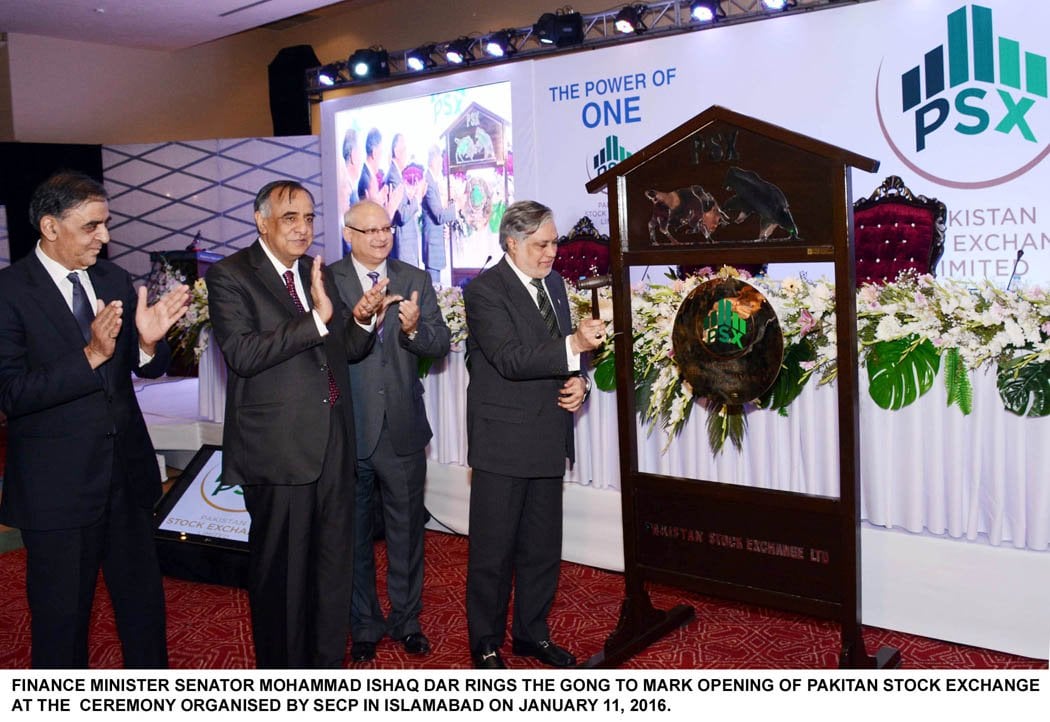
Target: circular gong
(727,341)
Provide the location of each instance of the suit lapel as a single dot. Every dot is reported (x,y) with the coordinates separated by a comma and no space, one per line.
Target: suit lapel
(52,303)
(522,298)
(398,286)
(107,289)
(270,279)
(346,276)
(556,290)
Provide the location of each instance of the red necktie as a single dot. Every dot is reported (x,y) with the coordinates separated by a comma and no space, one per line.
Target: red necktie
(289,283)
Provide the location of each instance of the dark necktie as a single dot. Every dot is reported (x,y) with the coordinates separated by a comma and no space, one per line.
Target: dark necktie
(289,283)
(81,308)
(374,275)
(546,309)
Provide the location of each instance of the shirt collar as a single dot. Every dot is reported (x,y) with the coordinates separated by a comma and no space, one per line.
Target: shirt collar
(56,270)
(362,271)
(278,266)
(523,277)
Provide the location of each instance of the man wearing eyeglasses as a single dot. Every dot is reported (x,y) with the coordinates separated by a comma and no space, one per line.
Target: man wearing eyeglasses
(289,435)
(392,430)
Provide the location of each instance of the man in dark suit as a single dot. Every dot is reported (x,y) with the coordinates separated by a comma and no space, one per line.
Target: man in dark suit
(368,184)
(392,431)
(436,214)
(525,384)
(288,440)
(82,475)
(405,217)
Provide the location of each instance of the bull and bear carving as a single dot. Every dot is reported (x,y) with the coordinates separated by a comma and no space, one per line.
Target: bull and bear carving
(692,210)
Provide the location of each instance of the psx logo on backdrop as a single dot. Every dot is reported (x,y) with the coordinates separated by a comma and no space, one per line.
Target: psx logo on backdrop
(972,110)
(606,157)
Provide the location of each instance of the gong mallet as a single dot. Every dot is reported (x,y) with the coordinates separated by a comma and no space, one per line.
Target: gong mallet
(594,283)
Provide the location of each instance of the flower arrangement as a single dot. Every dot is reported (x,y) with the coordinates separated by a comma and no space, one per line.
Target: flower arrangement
(193,328)
(189,332)
(450,301)
(905,331)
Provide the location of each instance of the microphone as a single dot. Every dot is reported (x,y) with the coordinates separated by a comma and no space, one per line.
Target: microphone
(1013,271)
(465,281)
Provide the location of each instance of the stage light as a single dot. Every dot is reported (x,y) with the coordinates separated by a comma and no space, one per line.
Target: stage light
(777,5)
(458,51)
(369,63)
(559,29)
(706,11)
(421,58)
(499,44)
(329,75)
(629,19)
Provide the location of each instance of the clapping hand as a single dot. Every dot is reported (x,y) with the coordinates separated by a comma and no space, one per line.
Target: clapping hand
(408,313)
(318,295)
(104,331)
(373,303)
(153,322)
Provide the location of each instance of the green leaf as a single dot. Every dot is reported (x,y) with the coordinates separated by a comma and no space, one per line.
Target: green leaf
(791,379)
(957,381)
(1025,389)
(424,366)
(725,422)
(901,371)
(643,391)
(605,373)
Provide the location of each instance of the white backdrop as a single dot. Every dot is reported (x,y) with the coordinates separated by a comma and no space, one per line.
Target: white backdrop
(818,74)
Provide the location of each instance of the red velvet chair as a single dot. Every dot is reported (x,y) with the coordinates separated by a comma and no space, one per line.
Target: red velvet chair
(895,231)
(582,253)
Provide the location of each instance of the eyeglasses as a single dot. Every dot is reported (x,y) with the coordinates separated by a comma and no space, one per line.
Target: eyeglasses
(381,231)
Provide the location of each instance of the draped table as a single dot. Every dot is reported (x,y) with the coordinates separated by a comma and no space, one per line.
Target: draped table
(925,468)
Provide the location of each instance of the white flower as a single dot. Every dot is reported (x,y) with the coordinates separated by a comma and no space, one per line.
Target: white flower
(888,329)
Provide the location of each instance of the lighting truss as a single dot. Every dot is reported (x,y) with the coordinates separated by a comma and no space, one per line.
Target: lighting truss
(598,30)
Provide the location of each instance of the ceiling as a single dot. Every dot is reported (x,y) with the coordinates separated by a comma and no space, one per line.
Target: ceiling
(154,24)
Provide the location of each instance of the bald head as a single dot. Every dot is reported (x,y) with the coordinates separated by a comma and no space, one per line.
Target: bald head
(366,229)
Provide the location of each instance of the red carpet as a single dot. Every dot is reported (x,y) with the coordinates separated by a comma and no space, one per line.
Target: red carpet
(208,626)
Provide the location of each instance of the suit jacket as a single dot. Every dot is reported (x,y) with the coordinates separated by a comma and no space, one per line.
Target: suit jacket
(405,222)
(364,182)
(277,410)
(514,424)
(386,381)
(435,216)
(68,423)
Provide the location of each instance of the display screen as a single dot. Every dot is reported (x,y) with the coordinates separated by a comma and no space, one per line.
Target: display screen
(201,507)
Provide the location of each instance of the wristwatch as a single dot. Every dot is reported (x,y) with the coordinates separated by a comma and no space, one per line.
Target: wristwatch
(586,383)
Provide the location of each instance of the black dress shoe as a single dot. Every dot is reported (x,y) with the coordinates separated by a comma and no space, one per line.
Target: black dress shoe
(363,651)
(546,651)
(416,643)
(488,659)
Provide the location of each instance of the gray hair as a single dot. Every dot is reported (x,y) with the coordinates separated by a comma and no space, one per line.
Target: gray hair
(278,188)
(64,190)
(521,220)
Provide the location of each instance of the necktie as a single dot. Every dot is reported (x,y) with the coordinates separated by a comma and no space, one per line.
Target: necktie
(546,309)
(289,283)
(81,308)
(374,275)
